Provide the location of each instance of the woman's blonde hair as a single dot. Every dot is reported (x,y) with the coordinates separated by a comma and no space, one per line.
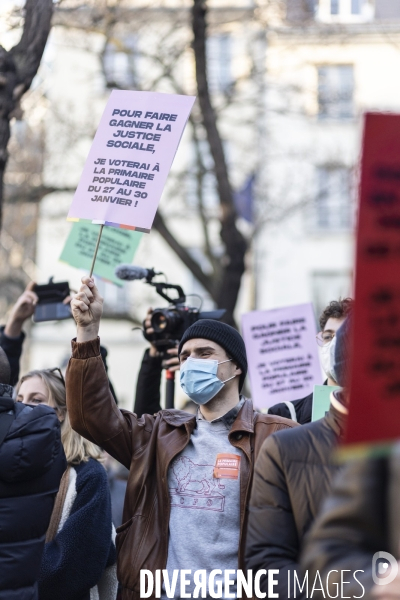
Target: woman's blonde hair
(76,448)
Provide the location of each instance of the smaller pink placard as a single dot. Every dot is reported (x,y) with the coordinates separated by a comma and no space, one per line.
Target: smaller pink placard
(282,354)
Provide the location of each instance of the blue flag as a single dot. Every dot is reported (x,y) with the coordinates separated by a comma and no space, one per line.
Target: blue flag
(243,199)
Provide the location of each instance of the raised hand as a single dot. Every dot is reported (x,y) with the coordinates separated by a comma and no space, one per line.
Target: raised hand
(87,308)
(22,310)
(172,364)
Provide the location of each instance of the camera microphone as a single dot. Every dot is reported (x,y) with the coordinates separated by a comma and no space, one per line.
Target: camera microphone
(132,272)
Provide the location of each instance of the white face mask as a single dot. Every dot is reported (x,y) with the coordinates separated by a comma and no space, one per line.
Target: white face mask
(327,354)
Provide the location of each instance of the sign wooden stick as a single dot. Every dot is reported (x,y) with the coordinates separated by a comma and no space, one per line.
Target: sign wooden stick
(96,250)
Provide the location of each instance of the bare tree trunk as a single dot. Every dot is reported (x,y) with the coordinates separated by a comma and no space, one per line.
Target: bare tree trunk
(228,285)
(17,70)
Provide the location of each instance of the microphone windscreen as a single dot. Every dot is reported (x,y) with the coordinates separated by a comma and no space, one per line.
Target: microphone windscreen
(130,272)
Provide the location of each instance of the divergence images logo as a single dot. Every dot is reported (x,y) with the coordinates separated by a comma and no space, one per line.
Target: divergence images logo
(384,568)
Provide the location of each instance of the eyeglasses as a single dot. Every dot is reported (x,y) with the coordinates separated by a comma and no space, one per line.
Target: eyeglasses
(57,370)
(325,337)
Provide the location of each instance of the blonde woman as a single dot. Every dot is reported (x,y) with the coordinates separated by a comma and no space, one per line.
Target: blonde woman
(79,557)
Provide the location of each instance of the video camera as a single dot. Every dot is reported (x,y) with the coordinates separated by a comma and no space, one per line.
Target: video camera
(169,323)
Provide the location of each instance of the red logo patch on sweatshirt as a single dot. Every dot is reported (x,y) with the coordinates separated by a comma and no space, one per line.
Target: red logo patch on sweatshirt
(227,466)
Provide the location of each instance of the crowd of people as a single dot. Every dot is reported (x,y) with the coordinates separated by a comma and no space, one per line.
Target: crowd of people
(217,487)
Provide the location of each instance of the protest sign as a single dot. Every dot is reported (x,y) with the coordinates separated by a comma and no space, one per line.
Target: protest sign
(282,354)
(117,246)
(374,411)
(130,158)
(321,400)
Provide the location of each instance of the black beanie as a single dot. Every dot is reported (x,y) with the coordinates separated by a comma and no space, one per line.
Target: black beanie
(342,352)
(224,335)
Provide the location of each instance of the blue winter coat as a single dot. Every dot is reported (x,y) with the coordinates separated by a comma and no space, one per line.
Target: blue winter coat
(83,549)
(32,462)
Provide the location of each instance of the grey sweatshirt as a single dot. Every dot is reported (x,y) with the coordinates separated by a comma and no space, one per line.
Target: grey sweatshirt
(204,487)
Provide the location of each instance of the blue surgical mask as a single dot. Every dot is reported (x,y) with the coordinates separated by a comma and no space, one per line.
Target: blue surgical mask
(199,380)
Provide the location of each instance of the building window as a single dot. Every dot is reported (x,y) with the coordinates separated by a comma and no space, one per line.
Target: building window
(120,63)
(335,92)
(345,11)
(330,285)
(219,58)
(343,7)
(334,7)
(356,7)
(333,205)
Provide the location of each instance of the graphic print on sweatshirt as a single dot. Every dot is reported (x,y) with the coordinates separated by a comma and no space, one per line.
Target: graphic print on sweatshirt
(204,489)
(199,486)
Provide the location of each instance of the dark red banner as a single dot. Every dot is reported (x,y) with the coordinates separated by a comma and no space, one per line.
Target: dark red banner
(374,414)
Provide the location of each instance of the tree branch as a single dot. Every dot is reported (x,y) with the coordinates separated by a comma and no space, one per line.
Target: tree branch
(17,70)
(183,254)
(209,118)
(28,53)
(235,244)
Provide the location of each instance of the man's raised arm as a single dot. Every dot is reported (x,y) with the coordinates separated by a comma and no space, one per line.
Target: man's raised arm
(91,407)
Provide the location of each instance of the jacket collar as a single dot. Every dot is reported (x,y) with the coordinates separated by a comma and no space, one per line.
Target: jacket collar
(336,420)
(243,421)
(228,418)
(177,418)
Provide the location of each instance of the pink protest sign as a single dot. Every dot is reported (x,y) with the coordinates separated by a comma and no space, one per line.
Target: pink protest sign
(282,354)
(130,158)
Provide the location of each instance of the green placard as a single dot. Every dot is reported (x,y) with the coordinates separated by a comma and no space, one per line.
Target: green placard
(116,246)
(321,400)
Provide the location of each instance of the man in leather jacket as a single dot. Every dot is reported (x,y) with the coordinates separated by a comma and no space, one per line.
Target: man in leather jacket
(292,476)
(190,476)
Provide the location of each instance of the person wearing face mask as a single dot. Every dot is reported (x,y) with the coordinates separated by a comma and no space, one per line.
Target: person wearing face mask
(79,558)
(330,320)
(292,477)
(190,475)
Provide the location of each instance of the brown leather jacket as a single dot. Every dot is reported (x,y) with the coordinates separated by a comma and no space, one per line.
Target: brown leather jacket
(146,446)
